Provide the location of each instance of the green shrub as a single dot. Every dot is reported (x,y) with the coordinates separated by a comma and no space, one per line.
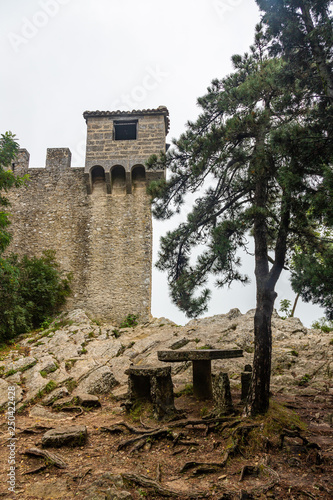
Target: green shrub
(305,380)
(285,308)
(130,321)
(31,290)
(323,325)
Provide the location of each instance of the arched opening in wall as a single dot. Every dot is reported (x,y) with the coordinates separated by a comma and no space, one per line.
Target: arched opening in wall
(98,179)
(138,178)
(118,180)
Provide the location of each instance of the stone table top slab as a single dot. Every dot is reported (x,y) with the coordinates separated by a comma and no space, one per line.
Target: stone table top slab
(199,354)
(149,371)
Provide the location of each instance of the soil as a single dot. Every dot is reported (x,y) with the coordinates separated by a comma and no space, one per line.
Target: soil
(294,472)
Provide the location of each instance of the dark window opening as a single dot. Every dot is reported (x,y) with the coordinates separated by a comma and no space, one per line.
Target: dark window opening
(97,174)
(125,131)
(138,178)
(118,180)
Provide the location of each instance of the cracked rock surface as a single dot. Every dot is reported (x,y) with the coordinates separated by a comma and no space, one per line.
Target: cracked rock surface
(76,355)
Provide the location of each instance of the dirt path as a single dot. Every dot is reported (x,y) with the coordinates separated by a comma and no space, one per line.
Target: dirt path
(294,472)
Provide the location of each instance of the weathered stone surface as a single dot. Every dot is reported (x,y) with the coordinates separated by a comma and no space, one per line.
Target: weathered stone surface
(246,377)
(98,381)
(115,479)
(61,402)
(34,382)
(194,355)
(114,494)
(75,435)
(48,364)
(40,412)
(151,384)
(21,364)
(107,486)
(296,352)
(87,400)
(222,394)
(87,216)
(4,393)
(58,393)
(180,343)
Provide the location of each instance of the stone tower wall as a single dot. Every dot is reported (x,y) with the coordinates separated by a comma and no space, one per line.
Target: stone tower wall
(101,228)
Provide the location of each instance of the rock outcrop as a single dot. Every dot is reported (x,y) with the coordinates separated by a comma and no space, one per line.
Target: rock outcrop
(75,355)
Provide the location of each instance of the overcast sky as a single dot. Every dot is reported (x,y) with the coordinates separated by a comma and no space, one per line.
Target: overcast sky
(62,57)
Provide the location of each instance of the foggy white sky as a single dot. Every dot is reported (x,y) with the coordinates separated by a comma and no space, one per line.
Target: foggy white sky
(62,57)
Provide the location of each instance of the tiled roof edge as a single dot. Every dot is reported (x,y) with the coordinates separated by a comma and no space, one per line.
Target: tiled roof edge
(161,110)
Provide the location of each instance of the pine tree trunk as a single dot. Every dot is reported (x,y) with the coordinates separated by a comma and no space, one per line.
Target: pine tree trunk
(258,401)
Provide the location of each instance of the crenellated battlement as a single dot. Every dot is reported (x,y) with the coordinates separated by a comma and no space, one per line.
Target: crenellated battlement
(97,218)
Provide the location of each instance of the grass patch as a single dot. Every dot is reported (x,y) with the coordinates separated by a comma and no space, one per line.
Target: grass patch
(27,367)
(69,364)
(50,386)
(305,380)
(139,409)
(269,428)
(70,385)
(21,370)
(187,391)
(10,372)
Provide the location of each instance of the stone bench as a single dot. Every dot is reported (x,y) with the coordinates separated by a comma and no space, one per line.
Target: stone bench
(154,384)
(201,361)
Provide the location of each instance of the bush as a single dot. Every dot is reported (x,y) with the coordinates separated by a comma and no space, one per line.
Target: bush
(31,290)
(129,322)
(323,324)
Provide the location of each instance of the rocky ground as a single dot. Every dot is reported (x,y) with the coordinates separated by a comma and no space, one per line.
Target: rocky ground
(55,370)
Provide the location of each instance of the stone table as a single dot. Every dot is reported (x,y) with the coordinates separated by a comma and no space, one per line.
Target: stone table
(201,361)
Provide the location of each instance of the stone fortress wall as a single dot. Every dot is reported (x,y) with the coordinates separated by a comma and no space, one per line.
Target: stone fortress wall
(97,218)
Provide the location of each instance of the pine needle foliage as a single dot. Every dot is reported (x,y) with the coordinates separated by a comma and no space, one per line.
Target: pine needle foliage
(257,160)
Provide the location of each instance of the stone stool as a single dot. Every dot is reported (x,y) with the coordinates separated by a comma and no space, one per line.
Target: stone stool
(246,377)
(222,394)
(146,383)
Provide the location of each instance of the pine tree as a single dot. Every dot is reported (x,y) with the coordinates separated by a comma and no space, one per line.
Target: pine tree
(312,275)
(8,151)
(302,31)
(249,158)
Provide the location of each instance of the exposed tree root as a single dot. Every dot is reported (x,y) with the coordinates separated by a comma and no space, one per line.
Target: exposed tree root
(158,488)
(158,473)
(35,471)
(240,432)
(155,434)
(117,427)
(296,434)
(73,408)
(138,445)
(261,490)
(50,458)
(35,430)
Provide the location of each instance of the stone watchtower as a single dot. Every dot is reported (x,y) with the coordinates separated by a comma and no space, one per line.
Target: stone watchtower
(97,218)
